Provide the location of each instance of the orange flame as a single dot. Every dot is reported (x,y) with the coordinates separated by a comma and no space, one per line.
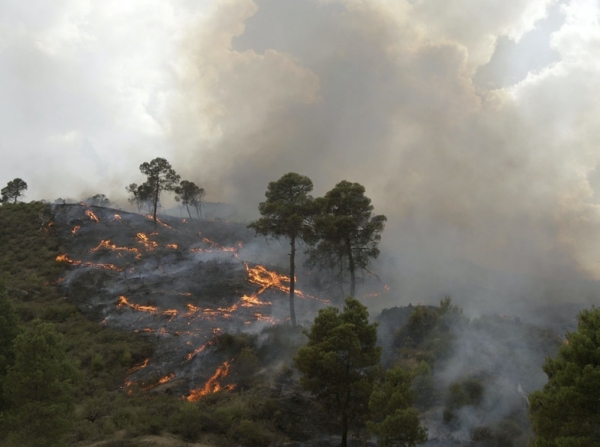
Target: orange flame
(75,229)
(108,246)
(259,275)
(197,351)
(147,243)
(166,379)
(138,367)
(124,302)
(65,258)
(213,385)
(149,216)
(92,216)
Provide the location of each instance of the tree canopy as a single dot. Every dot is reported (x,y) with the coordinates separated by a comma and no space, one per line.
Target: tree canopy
(565,412)
(98,200)
(13,190)
(346,230)
(340,362)
(286,213)
(394,420)
(160,177)
(140,195)
(190,194)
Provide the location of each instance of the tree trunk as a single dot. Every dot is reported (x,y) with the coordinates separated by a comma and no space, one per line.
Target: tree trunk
(344,428)
(351,268)
(155,202)
(292,279)
(188,208)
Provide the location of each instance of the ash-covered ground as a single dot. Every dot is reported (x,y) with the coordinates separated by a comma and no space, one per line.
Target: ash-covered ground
(182,282)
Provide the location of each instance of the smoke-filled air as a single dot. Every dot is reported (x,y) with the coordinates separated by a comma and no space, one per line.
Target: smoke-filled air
(205,181)
(471,126)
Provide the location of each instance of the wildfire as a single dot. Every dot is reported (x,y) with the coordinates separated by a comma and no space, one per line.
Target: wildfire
(75,229)
(149,216)
(92,216)
(116,217)
(259,275)
(65,258)
(166,379)
(124,302)
(173,246)
(147,243)
(105,244)
(212,385)
(138,367)
(197,351)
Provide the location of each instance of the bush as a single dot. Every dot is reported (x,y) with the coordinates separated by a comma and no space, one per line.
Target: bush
(251,434)
(189,421)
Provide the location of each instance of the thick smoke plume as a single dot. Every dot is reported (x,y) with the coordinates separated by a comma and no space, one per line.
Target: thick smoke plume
(383,93)
(471,125)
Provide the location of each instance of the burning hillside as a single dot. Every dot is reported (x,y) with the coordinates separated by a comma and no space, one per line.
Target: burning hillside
(182,283)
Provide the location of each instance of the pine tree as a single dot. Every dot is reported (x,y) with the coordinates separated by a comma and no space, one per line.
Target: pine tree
(340,362)
(565,412)
(286,213)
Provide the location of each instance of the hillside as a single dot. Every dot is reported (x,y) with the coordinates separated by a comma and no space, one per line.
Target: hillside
(183,282)
(181,337)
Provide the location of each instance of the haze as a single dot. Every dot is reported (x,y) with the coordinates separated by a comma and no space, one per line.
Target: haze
(472,125)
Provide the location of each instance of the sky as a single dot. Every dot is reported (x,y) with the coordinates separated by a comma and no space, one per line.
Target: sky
(473,125)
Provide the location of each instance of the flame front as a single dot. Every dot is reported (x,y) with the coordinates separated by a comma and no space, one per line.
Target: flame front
(213,385)
(65,258)
(105,244)
(138,367)
(147,243)
(124,302)
(92,216)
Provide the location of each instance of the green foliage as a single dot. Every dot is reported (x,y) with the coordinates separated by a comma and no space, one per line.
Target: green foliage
(286,213)
(13,190)
(140,195)
(9,329)
(394,421)
(246,365)
(40,387)
(565,412)
(190,194)
(428,333)
(467,392)
(340,361)
(160,177)
(232,344)
(346,232)
(28,249)
(98,200)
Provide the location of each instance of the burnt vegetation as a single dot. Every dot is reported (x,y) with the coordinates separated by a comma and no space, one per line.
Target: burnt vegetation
(167,328)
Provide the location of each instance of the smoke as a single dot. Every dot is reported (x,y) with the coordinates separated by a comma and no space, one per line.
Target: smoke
(382,93)
(472,125)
